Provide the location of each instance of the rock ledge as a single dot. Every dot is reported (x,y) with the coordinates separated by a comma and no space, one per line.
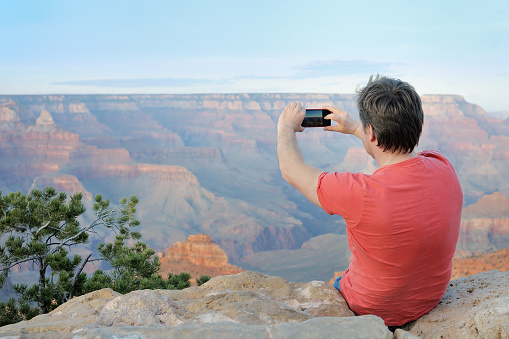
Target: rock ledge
(254,305)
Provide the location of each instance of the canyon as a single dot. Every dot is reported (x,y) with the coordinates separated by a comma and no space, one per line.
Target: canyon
(206,164)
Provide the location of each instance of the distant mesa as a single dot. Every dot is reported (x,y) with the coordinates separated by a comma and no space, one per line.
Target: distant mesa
(44,119)
(8,115)
(197,255)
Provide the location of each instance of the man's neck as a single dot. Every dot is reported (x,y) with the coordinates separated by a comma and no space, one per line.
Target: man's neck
(390,158)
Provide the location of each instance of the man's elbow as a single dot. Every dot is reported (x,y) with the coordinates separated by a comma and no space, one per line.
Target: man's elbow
(285,173)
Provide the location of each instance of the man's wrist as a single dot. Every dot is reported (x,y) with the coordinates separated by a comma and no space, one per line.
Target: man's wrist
(357,131)
(282,128)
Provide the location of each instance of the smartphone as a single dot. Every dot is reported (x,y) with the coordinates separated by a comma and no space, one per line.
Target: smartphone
(315,117)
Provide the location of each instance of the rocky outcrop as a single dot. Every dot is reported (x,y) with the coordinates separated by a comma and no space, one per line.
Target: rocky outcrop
(473,307)
(227,306)
(197,255)
(253,305)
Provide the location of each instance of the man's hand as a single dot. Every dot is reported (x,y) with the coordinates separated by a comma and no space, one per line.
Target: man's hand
(292,117)
(345,123)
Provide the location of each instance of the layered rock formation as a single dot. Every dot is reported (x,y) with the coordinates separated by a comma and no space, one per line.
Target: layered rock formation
(206,163)
(197,255)
(484,226)
(64,183)
(258,306)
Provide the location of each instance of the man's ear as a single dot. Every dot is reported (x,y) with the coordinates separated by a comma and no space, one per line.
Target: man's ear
(370,133)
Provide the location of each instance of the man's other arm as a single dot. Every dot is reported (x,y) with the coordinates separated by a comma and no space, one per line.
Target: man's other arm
(291,162)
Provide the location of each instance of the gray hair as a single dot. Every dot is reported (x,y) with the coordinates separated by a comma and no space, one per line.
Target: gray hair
(394,111)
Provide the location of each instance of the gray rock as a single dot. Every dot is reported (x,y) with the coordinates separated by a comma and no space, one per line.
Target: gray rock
(75,315)
(247,298)
(368,327)
(473,307)
(402,334)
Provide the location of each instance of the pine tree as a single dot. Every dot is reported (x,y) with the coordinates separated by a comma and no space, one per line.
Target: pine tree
(134,267)
(40,229)
(202,280)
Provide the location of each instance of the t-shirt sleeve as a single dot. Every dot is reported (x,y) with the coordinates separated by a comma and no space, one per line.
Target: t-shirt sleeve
(342,194)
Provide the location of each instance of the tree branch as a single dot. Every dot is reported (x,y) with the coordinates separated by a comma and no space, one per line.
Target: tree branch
(8,266)
(97,222)
(43,227)
(77,276)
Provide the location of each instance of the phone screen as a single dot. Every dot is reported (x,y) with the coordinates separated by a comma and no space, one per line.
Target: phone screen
(315,118)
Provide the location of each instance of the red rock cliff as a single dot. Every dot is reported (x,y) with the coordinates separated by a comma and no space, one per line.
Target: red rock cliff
(197,255)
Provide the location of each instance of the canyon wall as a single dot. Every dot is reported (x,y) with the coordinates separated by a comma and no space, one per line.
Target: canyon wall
(207,164)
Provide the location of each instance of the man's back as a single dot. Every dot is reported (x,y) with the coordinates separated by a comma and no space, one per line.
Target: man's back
(402,225)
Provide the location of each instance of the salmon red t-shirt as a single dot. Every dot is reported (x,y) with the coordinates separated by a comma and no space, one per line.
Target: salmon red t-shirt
(402,225)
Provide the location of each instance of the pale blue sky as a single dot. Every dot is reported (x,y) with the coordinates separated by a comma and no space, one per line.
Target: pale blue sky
(440,47)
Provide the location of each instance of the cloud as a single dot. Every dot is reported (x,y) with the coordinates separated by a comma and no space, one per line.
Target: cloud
(137,83)
(342,67)
(310,70)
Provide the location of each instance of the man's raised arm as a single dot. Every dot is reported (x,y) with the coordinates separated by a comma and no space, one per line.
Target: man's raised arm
(291,163)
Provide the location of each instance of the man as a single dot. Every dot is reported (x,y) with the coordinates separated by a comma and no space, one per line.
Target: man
(402,221)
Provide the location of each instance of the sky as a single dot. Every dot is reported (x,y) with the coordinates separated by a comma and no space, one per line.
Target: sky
(257,46)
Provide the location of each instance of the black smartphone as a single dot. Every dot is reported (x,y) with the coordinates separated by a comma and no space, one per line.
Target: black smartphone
(315,117)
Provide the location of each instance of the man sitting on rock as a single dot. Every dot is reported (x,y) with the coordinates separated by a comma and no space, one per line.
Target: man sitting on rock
(402,221)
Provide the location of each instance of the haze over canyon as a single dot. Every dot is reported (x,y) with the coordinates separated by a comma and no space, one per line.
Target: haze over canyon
(207,164)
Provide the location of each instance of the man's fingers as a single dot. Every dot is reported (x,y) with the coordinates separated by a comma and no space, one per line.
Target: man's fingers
(331,116)
(331,128)
(333,109)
